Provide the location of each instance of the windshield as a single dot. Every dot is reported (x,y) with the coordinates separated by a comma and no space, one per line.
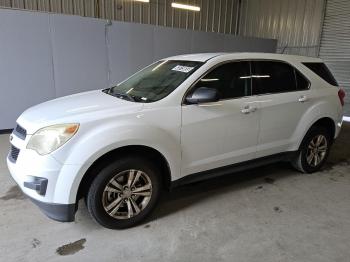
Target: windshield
(155,81)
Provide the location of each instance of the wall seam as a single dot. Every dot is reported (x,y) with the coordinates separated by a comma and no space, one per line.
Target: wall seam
(107,25)
(321,31)
(52,54)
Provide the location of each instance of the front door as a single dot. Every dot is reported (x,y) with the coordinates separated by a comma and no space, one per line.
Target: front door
(225,132)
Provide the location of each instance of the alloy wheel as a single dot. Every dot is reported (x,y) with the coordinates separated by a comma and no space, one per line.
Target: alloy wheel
(127,194)
(317,150)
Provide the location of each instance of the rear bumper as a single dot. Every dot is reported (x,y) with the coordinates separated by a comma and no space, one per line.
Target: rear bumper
(338,128)
(58,212)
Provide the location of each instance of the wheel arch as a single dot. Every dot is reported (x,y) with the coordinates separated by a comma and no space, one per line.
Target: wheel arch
(139,150)
(326,122)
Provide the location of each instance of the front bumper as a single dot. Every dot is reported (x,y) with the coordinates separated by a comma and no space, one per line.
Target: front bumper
(58,212)
(46,181)
(35,188)
(35,175)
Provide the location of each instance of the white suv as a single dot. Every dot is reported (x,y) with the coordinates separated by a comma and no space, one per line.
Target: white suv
(179,120)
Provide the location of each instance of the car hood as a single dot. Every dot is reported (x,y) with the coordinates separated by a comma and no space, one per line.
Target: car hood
(76,108)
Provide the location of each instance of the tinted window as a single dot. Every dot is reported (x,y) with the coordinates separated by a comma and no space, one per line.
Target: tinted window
(302,82)
(322,71)
(155,81)
(232,80)
(272,77)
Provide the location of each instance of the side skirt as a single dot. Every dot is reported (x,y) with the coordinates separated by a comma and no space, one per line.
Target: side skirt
(287,156)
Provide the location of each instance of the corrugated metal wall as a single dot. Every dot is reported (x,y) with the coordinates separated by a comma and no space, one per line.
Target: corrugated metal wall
(295,23)
(215,16)
(335,43)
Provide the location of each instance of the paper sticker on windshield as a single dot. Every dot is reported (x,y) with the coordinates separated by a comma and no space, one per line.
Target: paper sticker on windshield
(183,69)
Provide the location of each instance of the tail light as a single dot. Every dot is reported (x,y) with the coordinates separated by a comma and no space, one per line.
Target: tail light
(341,94)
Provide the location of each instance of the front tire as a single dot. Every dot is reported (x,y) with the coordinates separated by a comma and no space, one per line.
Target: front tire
(313,151)
(124,193)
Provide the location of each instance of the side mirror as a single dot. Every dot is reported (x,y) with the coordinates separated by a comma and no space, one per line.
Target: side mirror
(203,95)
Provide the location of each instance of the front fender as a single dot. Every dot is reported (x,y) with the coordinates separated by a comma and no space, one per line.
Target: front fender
(96,142)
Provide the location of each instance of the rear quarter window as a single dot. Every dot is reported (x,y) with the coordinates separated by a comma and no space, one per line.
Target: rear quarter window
(271,77)
(322,71)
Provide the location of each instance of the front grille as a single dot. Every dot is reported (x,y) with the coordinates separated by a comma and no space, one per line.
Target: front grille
(20,132)
(14,152)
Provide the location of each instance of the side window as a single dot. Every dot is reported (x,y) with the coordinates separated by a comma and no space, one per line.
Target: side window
(231,80)
(272,77)
(322,71)
(302,82)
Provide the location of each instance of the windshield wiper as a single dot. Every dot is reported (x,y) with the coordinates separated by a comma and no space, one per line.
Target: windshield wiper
(119,95)
(124,96)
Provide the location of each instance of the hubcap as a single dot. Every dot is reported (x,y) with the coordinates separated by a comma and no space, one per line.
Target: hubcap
(127,194)
(317,150)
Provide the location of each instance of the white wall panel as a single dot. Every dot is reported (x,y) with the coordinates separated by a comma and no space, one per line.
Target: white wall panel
(207,42)
(26,75)
(43,56)
(297,24)
(215,16)
(165,39)
(130,47)
(79,54)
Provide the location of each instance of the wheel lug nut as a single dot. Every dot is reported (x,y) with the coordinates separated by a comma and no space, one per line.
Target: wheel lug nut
(133,188)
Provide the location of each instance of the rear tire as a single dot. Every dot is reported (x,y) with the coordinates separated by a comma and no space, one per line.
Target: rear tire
(124,193)
(313,151)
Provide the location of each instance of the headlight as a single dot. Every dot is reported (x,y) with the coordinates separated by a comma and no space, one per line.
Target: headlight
(48,139)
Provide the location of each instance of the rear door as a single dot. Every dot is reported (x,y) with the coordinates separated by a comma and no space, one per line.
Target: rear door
(283,94)
(225,132)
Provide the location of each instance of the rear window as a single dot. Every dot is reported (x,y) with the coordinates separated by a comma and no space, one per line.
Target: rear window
(322,71)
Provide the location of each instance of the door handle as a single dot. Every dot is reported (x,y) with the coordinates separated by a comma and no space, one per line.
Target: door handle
(248,109)
(303,99)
